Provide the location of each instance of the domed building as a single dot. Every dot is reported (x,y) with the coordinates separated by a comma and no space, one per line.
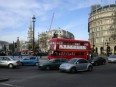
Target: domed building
(102,29)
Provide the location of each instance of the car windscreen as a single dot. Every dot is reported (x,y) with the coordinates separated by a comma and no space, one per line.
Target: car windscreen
(12,58)
(72,61)
(95,58)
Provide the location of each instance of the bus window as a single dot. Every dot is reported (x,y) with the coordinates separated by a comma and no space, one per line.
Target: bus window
(82,44)
(73,43)
(71,53)
(77,54)
(50,53)
(59,53)
(60,42)
(65,53)
(55,53)
(77,43)
(82,53)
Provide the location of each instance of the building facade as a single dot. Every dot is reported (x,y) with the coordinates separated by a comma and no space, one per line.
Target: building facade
(44,38)
(4,47)
(102,29)
(17,44)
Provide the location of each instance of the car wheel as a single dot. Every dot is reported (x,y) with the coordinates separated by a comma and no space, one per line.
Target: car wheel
(36,64)
(96,64)
(90,68)
(22,64)
(61,70)
(47,67)
(73,70)
(10,66)
(103,63)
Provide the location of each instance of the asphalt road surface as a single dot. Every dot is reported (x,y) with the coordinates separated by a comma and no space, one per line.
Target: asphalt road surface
(29,76)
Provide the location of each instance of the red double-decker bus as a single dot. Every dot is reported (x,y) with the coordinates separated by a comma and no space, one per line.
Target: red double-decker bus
(68,48)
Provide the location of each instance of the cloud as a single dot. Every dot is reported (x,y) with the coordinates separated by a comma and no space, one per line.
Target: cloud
(15,11)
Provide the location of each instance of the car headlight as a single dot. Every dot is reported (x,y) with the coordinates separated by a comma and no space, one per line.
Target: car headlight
(92,62)
(40,64)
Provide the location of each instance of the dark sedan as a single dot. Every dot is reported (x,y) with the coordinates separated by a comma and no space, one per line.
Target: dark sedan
(98,61)
(52,64)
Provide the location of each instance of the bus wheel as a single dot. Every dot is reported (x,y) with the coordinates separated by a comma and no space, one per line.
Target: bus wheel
(47,67)
(73,70)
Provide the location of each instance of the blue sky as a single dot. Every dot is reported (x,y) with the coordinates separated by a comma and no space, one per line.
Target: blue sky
(70,15)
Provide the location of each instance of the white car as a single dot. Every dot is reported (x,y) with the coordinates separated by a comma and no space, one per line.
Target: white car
(112,58)
(76,64)
(9,62)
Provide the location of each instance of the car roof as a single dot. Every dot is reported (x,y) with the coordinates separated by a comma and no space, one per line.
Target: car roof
(6,56)
(58,59)
(77,58)
(112,56)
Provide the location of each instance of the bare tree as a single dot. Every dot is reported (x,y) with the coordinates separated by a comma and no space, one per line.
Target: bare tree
(43,42)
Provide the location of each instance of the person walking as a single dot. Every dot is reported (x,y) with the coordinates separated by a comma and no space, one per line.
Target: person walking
(20,56)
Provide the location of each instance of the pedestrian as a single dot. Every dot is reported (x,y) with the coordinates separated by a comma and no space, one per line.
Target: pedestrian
(20,55)
(13,55)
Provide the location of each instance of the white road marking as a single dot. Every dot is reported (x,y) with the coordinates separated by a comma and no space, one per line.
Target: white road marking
(10,85)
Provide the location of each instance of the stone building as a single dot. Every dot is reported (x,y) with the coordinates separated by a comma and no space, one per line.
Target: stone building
(4,46)
(102,29)
(17,44)
(44,37)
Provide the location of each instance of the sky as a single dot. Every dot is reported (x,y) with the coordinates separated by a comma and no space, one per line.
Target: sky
(69,15)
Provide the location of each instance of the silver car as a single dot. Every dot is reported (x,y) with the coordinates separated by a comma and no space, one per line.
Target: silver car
(112,58)
(9,62)
(76,64)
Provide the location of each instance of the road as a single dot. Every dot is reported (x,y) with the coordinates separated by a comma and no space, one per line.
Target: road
(29,76)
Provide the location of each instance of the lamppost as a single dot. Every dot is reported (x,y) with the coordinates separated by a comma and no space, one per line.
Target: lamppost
(103,47)
(13,47)
(93,41)
(107,50)
(33,20)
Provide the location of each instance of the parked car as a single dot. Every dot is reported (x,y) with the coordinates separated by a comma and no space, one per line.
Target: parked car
(2,54)
(52,64)
(76,64)
(9,62)
(98,61)
(30,60)
(112,58)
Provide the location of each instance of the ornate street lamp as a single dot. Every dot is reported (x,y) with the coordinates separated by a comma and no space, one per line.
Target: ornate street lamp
(13,47)
(107,50)
(33,20)
(93,42)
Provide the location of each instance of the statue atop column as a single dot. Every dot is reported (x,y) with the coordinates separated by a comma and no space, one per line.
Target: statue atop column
(55,35)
